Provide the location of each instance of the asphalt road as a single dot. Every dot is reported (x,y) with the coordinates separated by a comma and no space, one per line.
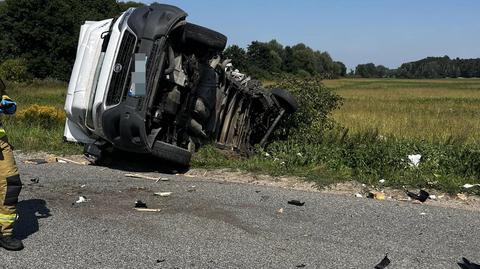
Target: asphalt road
(223,225)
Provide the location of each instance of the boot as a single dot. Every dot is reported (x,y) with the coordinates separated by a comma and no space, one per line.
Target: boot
(8,242)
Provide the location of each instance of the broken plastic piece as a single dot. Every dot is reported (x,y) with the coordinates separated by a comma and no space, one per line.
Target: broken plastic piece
(422,196)
(469,186)
(163,194)
(414,159)
(141,176)
(384,263)
(466,264)
(358,195)
(140,204)
(35,180)
(148,209)
(81,199)
(296,203)
(382,181)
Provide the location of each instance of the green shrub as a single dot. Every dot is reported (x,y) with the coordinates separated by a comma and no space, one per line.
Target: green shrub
(14,70)
(316,103)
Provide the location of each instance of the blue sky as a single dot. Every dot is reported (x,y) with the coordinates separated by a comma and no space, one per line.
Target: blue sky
(387,32)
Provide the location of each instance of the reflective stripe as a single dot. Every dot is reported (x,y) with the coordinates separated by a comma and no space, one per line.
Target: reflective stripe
(8,218)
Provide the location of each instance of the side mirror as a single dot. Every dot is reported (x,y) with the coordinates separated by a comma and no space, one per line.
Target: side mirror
(2,86)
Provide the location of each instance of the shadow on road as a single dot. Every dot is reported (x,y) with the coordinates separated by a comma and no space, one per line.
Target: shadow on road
(29,212)
(134,162)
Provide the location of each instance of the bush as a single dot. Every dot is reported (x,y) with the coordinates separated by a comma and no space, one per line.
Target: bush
(46,116)
(316,103)
(14,70)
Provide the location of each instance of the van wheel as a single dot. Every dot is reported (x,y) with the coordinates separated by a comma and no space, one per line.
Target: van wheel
(171,153)
(286,100)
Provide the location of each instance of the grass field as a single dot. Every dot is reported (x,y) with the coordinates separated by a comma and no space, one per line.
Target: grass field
(38,128)
(432,110)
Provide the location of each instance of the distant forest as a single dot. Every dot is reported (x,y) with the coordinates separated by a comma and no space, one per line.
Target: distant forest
(430,67)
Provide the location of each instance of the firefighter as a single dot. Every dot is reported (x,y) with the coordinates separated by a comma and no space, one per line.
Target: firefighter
(10,184)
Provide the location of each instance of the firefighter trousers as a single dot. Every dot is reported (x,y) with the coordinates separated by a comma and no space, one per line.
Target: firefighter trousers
(10,186)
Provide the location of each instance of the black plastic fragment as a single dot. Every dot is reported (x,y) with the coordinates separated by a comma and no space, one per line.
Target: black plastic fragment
(296,202)
(140,204)
(466,264)
(301,265)
(422,196)
(384,263)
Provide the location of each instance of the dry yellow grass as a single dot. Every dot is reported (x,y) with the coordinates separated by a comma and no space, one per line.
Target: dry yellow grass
(433,110)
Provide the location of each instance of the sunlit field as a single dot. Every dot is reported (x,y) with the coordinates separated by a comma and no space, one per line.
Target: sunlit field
(433,110)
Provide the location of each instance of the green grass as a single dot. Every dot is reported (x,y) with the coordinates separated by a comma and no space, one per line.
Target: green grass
(431,110)
(30,134)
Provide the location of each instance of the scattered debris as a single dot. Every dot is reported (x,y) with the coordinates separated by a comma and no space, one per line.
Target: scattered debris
(35,180)
(148,209)
(81,199)
(65,160)
(462,196)
(192,189)
(301,265)
(164,179)
(296,203)
(466,264)
(414,159)
(142,176)
(83,186)
(423,214)
(280,211)
(422,196)
(384,263)
(382,181)
(432,197)
(469,186)
(377,195)
(160,260)
(35,161)
(185,175)
(358,195)
(163,194)
(140,204)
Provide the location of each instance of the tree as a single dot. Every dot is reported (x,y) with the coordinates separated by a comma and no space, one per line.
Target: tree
(238,56)
(45,32)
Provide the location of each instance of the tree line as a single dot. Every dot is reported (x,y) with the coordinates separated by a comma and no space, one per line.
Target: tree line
(428,68)
(269,59)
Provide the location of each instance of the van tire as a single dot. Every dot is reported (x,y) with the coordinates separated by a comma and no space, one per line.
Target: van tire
(171,153)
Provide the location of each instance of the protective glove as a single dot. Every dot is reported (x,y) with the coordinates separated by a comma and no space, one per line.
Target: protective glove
(7,105)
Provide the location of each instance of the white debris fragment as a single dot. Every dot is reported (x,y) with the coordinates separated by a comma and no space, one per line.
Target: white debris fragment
(81,199)
(433,197)
(164,179)
(382,181)
(414,159)
(83,186)
(267,154)
(163,194)
(299,154)
(469,186)
(423,214)
(358,195)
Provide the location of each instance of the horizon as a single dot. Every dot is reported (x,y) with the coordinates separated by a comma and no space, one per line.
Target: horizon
(352,32)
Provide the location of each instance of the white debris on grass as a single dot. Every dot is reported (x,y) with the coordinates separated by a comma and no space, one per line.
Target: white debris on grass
(382,181)
(414,159)
(469,186)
